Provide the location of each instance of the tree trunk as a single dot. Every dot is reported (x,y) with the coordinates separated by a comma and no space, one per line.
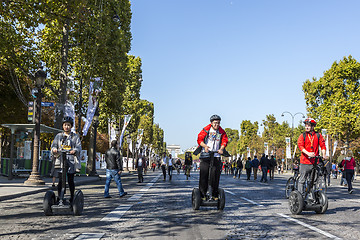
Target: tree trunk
(59,112)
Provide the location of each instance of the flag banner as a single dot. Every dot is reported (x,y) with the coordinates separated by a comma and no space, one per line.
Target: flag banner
(248,151)
(139,138)
(94,91)
(327,152)
(126,123)
(254,152)
(288,148)
(266,148)
(335,145)
(111,130)
(131,146)
(69,111)
(294,151)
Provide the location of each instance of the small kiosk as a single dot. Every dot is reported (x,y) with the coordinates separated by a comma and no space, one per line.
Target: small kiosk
(22,163)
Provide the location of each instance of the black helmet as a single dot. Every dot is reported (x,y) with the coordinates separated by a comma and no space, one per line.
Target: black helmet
(68,120)
(215,117)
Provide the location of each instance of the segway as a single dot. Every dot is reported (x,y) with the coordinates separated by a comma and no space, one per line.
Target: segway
(209,201)
(314,199)
(61,205)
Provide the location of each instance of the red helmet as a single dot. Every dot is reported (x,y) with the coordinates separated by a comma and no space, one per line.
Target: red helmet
(310,121)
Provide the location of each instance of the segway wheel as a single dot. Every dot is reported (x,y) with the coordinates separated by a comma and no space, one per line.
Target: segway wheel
(323,201)
(78,203)
(49,200)
(221,200)
(196,199)
(290,186)
(296,202)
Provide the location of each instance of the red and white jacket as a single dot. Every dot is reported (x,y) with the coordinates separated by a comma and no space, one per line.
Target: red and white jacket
(203,133)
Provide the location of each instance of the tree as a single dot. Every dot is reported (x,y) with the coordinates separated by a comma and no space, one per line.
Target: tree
(233,136)
(334,99)
(248,137)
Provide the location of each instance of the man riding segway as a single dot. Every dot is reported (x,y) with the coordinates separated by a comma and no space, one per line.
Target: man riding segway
(212,141)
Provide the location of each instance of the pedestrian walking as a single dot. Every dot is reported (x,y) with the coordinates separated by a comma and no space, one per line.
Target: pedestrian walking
(248,167)
(349,165)
(114,168)
(153,166)
(255,165)
(170,166)
(238,167)
(163,165)
(327,173)
(140,165)
(273,165)
(265,166)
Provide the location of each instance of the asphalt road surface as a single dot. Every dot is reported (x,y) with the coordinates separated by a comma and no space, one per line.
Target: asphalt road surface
(158,209)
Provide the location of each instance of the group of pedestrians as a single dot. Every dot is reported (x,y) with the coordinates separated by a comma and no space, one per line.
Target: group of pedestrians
(265,164)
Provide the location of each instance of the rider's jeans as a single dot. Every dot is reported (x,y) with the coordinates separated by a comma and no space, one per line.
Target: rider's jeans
(305,169)
(214,176)
(113,173)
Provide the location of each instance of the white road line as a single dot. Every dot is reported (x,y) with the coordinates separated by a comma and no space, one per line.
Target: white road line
(329,235)
(251,201)
(230,192)
(248,200)
(116,214)
(90,236)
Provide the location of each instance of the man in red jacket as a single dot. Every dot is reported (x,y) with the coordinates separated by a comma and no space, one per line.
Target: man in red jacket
(211,138)
(308,144)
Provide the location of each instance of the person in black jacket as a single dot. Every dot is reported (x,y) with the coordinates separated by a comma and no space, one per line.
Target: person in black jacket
(265,165)
(114,168)
(239,167)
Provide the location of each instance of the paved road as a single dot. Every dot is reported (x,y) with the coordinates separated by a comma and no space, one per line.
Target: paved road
(162,210)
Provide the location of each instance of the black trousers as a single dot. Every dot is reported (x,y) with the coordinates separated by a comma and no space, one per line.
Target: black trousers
(349,175)
(248,173)
(70,177)
(163,168)
(214,176)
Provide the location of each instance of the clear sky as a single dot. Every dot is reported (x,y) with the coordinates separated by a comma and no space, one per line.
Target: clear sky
(239,59)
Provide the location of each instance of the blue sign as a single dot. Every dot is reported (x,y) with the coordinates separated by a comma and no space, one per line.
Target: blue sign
(47,104)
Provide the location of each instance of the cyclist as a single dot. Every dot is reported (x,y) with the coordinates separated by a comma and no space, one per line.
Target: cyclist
(308,144)
(188,162)
(211,138)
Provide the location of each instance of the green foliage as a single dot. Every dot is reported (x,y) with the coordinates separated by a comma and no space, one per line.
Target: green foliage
(334,99)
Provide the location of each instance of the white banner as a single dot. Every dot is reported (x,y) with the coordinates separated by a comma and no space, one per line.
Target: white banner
(294,151)
(139,138)
(288,147)
(94,91)
(266,148)
(335,145)
(248,151)
(127,119)
(111,130)
(69,111)
(254,152)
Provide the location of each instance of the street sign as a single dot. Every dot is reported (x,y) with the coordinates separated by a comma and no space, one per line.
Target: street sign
(47,104)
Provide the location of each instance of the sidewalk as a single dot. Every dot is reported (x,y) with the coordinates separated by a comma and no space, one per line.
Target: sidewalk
(10,189)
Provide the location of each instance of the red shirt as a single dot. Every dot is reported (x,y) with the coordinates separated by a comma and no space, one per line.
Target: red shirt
(202,135)
(349,164)
(311,144)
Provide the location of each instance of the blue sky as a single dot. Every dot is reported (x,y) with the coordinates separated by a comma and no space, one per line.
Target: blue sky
(239,59)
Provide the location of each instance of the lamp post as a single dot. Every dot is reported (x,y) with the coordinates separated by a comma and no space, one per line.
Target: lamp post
(292,132)
(34,179)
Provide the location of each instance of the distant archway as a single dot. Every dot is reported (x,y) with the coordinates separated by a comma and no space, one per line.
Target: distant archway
(175,148)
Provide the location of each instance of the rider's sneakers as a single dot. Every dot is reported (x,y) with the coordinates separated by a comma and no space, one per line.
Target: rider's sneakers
(203,198)
(351,191)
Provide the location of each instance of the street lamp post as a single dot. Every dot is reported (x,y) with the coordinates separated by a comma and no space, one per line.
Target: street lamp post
(34,178)
(292,132)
